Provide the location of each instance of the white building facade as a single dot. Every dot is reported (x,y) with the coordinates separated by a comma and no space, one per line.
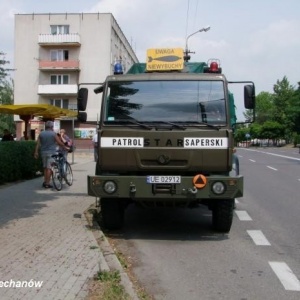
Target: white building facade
(55,54)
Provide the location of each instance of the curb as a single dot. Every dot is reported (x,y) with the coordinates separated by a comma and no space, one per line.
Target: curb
(111,260)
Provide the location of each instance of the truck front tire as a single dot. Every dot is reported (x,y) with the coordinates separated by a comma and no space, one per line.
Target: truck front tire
(222,215)
(112,211)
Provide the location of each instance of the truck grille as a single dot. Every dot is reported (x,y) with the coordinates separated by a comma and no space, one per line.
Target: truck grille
(155,163)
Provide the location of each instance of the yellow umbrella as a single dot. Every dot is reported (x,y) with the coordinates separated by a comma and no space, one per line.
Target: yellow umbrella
(43,110)
(53,112)
(29,111)
(26,109)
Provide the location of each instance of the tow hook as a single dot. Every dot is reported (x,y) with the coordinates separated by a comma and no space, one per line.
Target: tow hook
(193,191)
(132,188)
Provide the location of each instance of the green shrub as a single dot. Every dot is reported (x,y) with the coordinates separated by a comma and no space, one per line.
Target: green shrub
(296,139)
(17,161)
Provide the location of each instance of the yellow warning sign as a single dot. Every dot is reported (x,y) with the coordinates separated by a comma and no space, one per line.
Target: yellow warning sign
(164,59)
(199,181)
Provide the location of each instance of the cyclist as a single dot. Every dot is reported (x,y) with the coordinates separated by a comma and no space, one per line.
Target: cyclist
(47,143)
(67,142)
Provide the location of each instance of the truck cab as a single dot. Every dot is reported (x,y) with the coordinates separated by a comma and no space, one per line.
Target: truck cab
(166,138)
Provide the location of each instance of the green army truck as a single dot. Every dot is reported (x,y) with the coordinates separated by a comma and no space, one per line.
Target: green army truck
(166,139)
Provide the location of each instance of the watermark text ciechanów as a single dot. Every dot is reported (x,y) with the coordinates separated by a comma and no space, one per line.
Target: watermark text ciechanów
(20,283)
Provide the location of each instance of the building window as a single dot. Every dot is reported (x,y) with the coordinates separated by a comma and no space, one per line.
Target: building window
(59,29)
(62,103)
(59,55)
(59,79)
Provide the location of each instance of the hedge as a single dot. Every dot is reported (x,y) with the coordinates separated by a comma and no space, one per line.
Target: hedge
(17,161)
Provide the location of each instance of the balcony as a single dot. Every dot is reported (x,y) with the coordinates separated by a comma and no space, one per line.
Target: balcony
(58,89)
(72,39)
(47,65)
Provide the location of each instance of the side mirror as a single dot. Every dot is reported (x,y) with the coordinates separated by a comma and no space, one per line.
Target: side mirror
(82,98)
(82,116)
(249,96)
(98,90)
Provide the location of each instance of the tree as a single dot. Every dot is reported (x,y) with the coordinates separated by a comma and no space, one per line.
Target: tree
(6,95)
(240,133)
(283,92)
(255,130)
(263,107)
(293,110)
(3,71)
(272,130)
(277,115)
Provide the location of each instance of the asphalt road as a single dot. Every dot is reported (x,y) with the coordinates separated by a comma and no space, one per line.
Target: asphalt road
(176,255)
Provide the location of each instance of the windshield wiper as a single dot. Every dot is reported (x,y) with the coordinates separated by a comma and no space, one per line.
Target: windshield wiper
(128,121)
(201,123)
(179,126)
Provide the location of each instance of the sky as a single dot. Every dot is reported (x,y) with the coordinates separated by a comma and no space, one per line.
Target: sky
(257,40)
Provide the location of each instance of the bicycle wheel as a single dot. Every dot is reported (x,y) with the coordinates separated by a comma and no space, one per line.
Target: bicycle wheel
(56,178)
(68,174)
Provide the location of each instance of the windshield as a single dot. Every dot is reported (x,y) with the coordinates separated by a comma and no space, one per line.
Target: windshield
(166,101)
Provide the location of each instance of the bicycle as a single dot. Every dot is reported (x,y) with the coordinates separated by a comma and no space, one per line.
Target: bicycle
(61,170)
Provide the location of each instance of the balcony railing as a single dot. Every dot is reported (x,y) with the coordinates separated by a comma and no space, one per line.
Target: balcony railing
(59,65)
(58,39)
(72,106)
(55,89)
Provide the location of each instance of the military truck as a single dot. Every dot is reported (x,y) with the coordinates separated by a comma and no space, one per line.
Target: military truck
(166,138)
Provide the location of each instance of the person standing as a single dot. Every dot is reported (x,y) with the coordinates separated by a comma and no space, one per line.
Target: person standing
(95,145)
(7,136)
(24,137)
(47,143)
(67,142)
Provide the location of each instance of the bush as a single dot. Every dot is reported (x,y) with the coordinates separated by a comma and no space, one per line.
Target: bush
(17,161)
(296,140)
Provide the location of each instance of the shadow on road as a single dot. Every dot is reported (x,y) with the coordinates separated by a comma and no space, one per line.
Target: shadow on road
(181,224)
(26,199)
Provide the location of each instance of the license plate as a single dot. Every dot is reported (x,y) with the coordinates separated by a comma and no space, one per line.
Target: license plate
(163,179)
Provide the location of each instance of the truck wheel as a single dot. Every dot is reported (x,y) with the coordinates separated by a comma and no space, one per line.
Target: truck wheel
(222,215)
(112,212)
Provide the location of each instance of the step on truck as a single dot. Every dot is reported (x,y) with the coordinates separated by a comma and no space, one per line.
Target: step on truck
(166,138)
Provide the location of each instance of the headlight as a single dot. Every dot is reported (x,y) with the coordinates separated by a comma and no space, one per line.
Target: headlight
(218,188)
(110,187)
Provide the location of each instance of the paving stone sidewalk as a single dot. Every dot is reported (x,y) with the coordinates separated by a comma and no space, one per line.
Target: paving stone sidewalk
(44,236)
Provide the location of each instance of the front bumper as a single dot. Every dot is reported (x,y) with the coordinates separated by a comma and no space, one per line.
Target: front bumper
(137,188)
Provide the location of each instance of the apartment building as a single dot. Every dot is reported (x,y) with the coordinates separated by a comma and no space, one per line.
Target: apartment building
(57,53)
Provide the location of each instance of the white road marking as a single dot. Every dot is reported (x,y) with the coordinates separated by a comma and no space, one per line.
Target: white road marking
(258,238)
(285,275)
(243,215)
(279,155)
(272,168)
(252,160)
